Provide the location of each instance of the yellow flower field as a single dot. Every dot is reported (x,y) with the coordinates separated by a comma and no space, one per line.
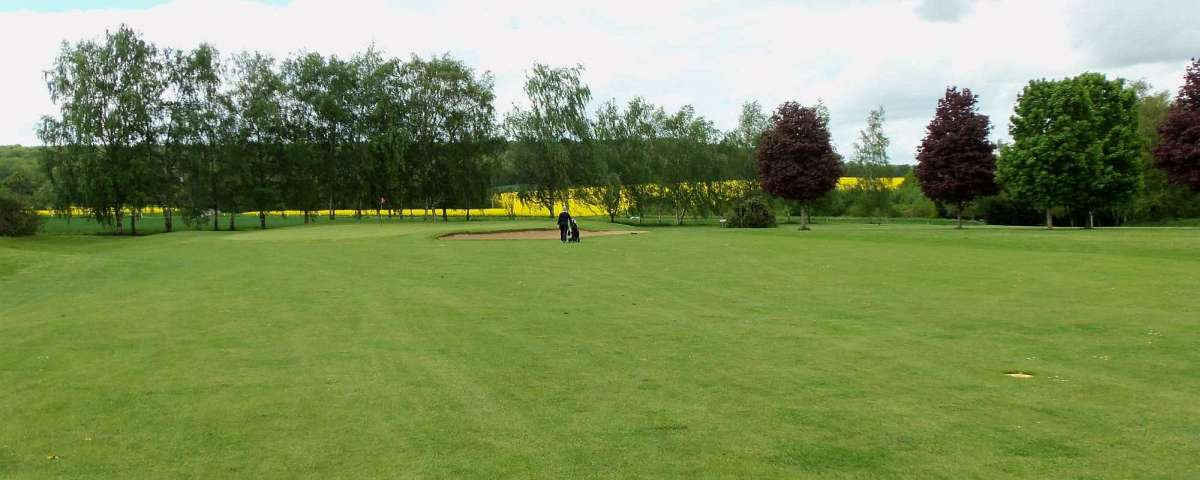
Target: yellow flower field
(503,205)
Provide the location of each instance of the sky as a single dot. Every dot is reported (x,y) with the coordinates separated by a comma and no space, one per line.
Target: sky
(854,55)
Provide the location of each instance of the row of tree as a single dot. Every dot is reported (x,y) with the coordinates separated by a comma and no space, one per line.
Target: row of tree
(190,131)
(194,133)
(198,134)
(1078,143)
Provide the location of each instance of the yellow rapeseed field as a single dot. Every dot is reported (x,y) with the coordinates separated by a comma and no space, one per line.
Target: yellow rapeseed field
(503,205)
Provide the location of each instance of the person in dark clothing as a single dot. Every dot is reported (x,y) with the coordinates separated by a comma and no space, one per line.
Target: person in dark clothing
(574,231)
(564,225)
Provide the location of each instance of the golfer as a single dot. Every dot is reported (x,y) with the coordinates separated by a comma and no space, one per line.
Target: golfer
(564,225)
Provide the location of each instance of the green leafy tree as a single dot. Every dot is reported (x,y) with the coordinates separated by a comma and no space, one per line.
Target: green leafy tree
(1159,198)
(322,95)
(198,133)
(613,138)
(1075,145)
(109,96)
(688,160)
(387,134)
(453,130)
(311,155)
(259,131)
(17,219)
(551,137)
(871,191)
(742,141)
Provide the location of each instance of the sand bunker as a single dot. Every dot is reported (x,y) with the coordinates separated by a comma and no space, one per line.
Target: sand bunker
(537,234)
(1019,374)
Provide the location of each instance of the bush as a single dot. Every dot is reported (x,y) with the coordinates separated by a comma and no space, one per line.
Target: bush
(17,220)
(751,212)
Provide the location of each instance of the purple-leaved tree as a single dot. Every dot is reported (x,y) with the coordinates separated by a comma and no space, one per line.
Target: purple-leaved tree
(956,162)
(795,158)
(1178,154)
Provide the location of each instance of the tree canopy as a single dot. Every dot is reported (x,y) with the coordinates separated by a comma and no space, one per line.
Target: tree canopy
(1178,153)
(796,160)
(1075,144)
(955,161)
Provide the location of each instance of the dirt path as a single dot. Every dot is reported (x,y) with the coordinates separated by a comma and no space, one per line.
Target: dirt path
(541,234)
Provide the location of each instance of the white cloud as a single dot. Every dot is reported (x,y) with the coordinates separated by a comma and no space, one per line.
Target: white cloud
(714,55)
(1117,33)
(944,10)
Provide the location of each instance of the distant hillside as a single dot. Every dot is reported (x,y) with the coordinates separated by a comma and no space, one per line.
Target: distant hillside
(21,175)
(17,156)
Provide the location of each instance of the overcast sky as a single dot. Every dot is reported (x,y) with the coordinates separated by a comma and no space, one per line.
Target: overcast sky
(853,54)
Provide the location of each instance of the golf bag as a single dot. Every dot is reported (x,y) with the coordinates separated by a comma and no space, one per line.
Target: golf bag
(574,231)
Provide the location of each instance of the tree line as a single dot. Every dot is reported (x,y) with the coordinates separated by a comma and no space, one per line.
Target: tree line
(1082,145)
(199,134)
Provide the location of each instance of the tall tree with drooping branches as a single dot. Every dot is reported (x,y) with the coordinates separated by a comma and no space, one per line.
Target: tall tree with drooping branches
(109,95)
(552,137)
(956,162)
(1178,153)
(795,157)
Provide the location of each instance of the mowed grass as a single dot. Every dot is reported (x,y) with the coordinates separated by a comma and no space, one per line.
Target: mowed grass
(377,351)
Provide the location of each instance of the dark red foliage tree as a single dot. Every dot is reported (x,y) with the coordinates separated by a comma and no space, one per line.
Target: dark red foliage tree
(795,158)
(1178,153)
(956,162)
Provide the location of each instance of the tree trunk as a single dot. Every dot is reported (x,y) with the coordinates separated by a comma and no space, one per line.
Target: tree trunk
(133,223)
(232,217)
(803,217)
(306,216)
(212,169)
(332,212)
(612,217)
(1091,219)
(120,221)
(445,218)
(167,220)
(959,215)
(262,220)
(1049,220)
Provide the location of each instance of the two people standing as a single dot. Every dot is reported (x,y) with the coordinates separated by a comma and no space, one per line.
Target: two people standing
(568,230)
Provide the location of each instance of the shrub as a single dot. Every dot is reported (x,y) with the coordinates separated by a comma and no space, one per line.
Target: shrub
(17,220)
(750,212)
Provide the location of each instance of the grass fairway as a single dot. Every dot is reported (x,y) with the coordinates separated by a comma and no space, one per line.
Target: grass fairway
(376,351)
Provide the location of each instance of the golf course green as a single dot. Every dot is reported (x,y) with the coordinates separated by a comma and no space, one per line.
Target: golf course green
(366,350)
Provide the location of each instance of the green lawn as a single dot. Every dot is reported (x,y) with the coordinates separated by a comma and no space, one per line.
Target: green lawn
(375,351)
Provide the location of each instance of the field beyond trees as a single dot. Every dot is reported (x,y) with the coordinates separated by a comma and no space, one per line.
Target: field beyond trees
(361,350)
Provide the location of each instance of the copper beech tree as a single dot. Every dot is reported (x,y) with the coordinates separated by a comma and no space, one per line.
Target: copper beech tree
(956,162)
(795,158)
(1178,154)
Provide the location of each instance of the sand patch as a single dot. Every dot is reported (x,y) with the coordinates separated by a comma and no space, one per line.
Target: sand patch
(535,234)
(1018,374)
